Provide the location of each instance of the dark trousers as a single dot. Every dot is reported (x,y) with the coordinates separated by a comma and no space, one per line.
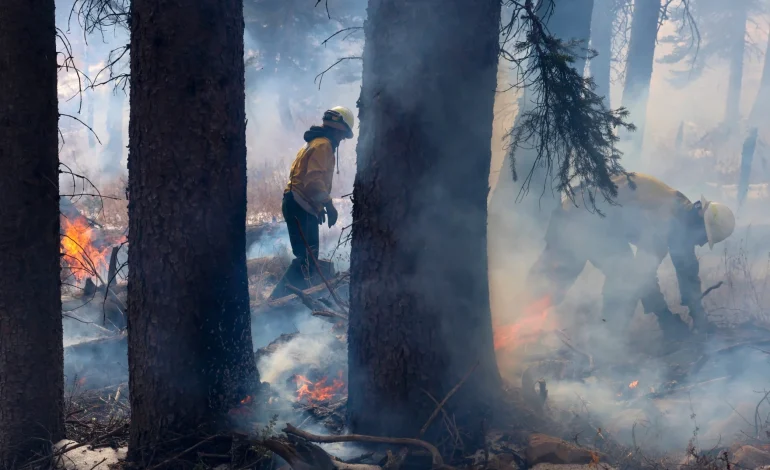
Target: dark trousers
(308,223)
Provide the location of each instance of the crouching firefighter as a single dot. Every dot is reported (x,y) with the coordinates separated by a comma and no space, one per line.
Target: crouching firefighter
(657,220)
(307,201)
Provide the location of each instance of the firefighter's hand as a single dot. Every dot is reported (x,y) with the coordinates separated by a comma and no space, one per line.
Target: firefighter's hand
(331,211)
(321,217)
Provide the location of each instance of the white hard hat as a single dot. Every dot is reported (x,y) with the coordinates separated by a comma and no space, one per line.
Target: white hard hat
(341,118)
(719,221)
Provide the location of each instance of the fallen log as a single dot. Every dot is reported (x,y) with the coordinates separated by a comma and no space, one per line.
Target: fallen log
(438,461)
(97,363)
(314,292)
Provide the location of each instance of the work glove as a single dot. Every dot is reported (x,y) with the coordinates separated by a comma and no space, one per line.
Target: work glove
(331,211)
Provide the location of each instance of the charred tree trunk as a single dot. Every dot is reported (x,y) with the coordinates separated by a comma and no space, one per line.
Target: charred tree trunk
(641,57)
(601,42)
(189,348)
(31,350)
(420,316)
(739,15)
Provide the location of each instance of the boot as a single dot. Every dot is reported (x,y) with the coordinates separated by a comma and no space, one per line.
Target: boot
(675,330)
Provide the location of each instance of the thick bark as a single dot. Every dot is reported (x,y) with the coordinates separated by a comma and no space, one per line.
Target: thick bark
(420,316)
(737,48)
(189,348)
(601,43)
(31,350)
(641,57)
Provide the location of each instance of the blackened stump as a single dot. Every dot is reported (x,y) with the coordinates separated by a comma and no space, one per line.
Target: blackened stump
(189,349)
(420,316)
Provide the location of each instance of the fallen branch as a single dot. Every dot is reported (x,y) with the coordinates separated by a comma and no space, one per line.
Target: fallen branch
(711,289)
(688,388)
(336,298)
(705,358)
(187,451)
(329,314)
(438,461)
(446,398)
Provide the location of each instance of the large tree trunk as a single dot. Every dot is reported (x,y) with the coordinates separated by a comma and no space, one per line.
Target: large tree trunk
(420,315)
(189,349)
(738,17)
(641,57)
(601,42)
(31,349)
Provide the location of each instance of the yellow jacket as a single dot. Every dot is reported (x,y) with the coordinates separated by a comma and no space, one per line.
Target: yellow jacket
(310,179)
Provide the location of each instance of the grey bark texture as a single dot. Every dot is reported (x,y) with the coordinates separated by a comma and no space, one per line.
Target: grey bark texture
(420,316)
(189,347)
(31,349)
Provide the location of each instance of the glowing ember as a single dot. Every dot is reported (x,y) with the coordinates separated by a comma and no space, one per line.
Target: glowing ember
(533,322)
(319,391)
(633,384)
(246,400)
(79,254)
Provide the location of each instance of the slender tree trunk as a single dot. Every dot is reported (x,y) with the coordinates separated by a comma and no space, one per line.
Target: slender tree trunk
(114,152)
(31,350)
(420,315)
(738,17)
(761,103)
(189,350)
(641,57)
(601,42)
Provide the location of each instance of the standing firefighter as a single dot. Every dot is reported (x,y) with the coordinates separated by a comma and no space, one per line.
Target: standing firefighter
(307,201)
(655,218)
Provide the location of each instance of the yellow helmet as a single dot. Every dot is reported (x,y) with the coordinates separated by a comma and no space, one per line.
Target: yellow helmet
(719,221)
(341,118)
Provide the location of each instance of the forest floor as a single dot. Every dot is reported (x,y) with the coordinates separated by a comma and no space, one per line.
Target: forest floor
(700,404)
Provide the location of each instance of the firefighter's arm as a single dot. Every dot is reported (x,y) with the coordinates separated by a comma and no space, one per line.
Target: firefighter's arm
(320,164)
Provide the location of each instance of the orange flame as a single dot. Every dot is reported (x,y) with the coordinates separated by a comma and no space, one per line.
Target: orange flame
(246,400)
(318,391)
(80,256)
(533,322)
(633,384)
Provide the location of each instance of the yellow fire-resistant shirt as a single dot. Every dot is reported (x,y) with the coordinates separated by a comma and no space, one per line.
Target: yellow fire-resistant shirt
(310,179)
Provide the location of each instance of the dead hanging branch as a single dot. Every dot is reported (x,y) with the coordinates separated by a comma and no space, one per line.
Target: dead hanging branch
(100,15)
(565,123)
